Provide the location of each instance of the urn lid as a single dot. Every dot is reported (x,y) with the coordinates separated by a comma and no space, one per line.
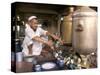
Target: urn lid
(84,11)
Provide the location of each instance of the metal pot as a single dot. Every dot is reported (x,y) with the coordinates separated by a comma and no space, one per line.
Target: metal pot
(19,57)
(30,59)
(66,27)
(84,34)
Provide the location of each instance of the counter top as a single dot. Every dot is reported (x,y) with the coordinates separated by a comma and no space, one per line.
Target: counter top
(27,66)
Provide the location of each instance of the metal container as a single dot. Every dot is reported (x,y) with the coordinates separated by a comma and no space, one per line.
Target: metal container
(61,63)
(19,57)
(31,59)
(66,27)
(18,53)
(84,34)
(37,68)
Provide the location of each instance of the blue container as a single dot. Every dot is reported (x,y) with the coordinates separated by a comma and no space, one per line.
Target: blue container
(60,62)
(37,68)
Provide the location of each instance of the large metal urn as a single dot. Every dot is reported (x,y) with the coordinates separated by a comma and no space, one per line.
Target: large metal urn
(66,27)
(84,34)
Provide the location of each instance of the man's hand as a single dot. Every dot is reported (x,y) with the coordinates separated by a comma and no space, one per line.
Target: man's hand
(55,37)
(61,41)
(50,44)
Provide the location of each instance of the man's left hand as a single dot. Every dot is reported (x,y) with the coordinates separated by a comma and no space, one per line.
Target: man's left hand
(61,41)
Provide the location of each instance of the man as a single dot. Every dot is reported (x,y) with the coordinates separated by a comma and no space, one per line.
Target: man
(32,44)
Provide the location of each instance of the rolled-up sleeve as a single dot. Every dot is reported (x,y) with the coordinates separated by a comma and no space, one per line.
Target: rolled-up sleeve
(30,33)
(43,32)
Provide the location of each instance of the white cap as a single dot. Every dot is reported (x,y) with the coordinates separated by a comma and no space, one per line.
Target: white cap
(31,17)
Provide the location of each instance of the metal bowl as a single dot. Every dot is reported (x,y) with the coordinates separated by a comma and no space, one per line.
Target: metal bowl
(31,59)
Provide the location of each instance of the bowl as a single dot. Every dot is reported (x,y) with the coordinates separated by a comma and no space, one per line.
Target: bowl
(30,59)
(48,66)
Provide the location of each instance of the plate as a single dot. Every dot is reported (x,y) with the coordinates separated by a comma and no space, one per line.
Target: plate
(48,65)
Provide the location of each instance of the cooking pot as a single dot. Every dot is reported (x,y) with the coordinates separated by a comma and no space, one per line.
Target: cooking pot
(31,59)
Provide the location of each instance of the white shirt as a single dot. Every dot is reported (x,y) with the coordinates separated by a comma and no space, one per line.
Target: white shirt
(37,46)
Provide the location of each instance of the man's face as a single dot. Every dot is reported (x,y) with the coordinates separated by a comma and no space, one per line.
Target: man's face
(34,24)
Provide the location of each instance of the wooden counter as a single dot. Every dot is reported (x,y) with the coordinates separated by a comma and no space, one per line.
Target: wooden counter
(21,67)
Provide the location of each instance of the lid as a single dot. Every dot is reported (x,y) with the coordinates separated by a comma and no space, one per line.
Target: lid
(84,11)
